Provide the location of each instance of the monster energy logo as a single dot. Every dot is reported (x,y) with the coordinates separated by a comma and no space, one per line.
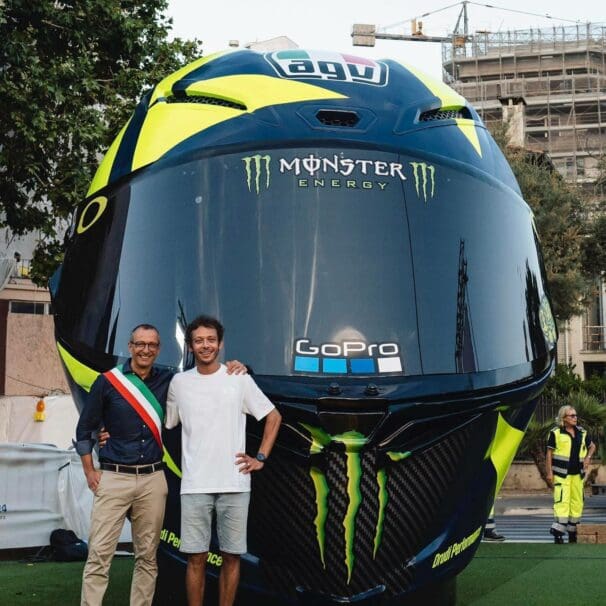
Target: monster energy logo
(255,167)
(421,172)
(353,442)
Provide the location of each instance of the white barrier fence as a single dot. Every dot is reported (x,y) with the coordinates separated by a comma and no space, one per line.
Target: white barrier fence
(42,488)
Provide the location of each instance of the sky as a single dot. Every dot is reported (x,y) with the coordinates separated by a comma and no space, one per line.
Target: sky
(326,24)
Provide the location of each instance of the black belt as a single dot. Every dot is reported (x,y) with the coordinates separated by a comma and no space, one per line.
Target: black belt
(136,469)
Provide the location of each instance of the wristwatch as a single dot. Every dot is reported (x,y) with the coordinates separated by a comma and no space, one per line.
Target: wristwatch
(261,457)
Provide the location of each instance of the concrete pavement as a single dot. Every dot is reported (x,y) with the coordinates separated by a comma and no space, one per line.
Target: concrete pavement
(527,517)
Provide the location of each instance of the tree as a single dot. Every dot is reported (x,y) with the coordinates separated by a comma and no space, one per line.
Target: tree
(566,387)
(592,416)
(594,247)
(534,444)
(70,74)
(599,186)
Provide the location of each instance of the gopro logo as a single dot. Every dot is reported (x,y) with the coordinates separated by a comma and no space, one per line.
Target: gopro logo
(348,357)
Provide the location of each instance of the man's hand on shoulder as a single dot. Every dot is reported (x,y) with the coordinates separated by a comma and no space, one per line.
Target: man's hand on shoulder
(102,437)
(234,367)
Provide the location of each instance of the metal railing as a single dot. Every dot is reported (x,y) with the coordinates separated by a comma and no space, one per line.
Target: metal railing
(584,87)
(556,39)
(22,268)
(594,338)
(547,410)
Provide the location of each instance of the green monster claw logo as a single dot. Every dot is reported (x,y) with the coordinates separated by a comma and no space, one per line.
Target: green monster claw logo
(421,172)
(353,442)
(255,166)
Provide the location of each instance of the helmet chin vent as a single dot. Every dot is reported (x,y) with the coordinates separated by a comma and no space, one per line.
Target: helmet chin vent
(332,117)
(453,113)
(205,100)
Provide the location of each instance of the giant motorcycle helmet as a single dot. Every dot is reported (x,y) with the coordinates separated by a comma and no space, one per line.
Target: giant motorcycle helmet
(363,240)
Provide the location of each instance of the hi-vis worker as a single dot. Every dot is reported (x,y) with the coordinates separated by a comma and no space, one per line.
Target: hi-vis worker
(569,452)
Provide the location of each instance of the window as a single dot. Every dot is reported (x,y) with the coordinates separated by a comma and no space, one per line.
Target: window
(29,307)
(580,167)
(570,167)
(594,369)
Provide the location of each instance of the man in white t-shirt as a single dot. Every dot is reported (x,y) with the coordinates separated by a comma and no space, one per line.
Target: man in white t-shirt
(212,407)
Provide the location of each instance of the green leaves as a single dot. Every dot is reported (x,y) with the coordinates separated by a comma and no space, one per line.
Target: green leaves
(594,247)
(72,72)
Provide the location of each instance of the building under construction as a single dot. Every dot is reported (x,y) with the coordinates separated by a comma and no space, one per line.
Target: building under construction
(551,83)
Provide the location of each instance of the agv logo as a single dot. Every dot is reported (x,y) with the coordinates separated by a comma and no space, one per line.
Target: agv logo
(328,66)
(347,357)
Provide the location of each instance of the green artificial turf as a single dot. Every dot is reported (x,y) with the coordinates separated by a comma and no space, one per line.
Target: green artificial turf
(524,574)
(505,574)
(58,583)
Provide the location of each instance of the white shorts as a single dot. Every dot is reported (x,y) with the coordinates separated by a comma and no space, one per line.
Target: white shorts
(231,509)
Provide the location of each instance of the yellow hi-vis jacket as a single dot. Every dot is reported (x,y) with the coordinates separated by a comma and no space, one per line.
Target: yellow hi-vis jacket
(561,453)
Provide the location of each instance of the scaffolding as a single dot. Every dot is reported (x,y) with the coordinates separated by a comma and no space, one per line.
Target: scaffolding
(556,75)
(531,40)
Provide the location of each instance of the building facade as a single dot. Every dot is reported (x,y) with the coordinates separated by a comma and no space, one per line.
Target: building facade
(29,362)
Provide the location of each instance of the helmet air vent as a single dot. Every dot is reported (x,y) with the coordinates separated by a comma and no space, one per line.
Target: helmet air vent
(451,113)
(332,117)
(205,100)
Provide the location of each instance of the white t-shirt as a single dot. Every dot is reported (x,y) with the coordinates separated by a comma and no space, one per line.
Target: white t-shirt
(212,411)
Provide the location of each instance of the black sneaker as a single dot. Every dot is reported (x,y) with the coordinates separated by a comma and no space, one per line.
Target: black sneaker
(492,535)
(558,537)
(572,537)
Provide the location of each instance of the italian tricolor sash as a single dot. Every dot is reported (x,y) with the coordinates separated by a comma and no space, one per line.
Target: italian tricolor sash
(140,397)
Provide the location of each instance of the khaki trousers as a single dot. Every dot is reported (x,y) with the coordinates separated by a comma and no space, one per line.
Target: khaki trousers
(145,496)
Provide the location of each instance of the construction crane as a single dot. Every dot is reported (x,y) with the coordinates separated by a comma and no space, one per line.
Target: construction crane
(366,35)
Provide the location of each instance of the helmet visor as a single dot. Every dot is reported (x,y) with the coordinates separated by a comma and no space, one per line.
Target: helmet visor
(317,261)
